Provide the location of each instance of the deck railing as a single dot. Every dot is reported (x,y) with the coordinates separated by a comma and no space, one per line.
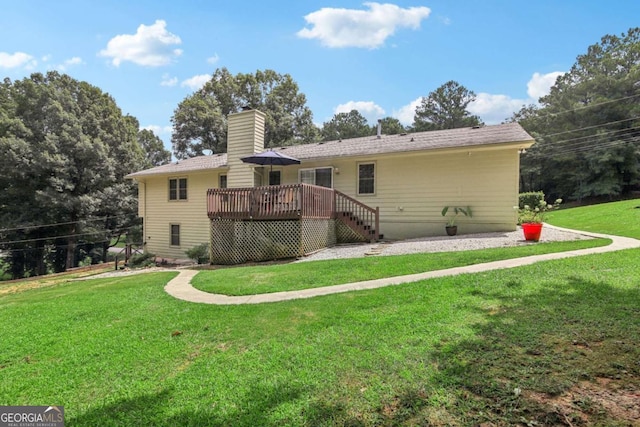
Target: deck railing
(272,202)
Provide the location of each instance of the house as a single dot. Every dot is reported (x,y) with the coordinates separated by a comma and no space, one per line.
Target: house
(352,189)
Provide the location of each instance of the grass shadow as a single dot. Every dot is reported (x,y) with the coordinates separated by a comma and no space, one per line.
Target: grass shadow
(257,408)
(532,351)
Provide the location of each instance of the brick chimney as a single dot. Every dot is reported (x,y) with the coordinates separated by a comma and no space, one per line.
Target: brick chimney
(245,136)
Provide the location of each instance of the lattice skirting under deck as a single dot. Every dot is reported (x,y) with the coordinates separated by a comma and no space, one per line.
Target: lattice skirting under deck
(344,234)
(239,241)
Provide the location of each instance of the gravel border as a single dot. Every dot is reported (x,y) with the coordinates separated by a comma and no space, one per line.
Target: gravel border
(440,244)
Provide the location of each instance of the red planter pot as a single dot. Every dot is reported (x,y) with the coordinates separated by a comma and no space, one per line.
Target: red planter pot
(532,231)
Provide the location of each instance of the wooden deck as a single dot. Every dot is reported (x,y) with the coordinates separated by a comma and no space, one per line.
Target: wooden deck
(272,202)
(288,202)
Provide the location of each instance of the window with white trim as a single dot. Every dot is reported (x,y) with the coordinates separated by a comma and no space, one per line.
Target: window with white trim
(366,178)
(174,239)
(177,188)
(318,176)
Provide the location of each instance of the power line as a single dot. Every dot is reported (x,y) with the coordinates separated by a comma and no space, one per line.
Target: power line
(594,136)
(30,227)
(611,144)
(55,246)
(591,127)
(591,105)
(604,144)
(61,236)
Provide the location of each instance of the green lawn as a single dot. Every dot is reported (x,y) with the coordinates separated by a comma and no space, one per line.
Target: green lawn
(618,218)
(314,274)
(554,343)
(450,351)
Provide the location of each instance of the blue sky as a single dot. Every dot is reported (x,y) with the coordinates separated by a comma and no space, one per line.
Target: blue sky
(379,58)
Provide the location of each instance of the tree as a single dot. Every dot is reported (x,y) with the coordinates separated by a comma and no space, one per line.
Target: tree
(587,127)
(346,125)
(390,126)
(446,108)
(153,147)
(200,121)
(65,148)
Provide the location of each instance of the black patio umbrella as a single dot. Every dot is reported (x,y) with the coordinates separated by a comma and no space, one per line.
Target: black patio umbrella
(271,158)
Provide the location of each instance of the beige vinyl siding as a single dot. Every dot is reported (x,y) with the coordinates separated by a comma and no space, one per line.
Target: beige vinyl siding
(411,190)
(246,137)
(190,214)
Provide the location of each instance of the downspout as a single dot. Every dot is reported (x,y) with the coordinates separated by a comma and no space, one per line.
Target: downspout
(144,217)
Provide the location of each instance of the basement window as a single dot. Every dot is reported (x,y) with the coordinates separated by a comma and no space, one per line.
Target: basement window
(175,235)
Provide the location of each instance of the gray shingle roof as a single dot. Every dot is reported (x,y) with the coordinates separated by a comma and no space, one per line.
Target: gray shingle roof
(193,164)
(419,141)
(368,146)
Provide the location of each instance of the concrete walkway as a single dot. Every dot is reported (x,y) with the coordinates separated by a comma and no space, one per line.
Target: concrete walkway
(180,287)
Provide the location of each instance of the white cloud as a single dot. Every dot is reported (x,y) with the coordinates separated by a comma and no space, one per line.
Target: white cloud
(46,58)
(168,81)
(159,130)
(540,84)
(151,46)
(369,109)
(18,59)
(361,28)
(70,62)
(405,114)
(494,109)
(213,59)
(196,82)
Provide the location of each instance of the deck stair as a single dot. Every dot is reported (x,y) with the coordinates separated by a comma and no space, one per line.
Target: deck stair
(359,217)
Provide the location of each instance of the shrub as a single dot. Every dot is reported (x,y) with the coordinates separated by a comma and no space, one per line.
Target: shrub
(531,198)
(145,259)
(533,208)
(199,254)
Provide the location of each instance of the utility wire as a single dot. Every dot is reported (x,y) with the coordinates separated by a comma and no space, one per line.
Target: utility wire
(30,227)
(604,144)
(60,236)
(590,127)
(593,136)
(591,105)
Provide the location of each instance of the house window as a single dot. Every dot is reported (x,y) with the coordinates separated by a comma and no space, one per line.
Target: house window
(319,176)
(222,181)
(274,177)
(366,178)
(175,235)
(178,189)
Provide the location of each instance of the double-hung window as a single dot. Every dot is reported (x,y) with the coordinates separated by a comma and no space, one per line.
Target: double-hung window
(318,176)
(366,178)
(178,189)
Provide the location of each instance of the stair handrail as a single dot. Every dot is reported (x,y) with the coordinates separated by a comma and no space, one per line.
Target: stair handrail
(370,216)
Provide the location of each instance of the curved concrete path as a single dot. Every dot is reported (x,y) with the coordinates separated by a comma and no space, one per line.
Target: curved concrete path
(180,287)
